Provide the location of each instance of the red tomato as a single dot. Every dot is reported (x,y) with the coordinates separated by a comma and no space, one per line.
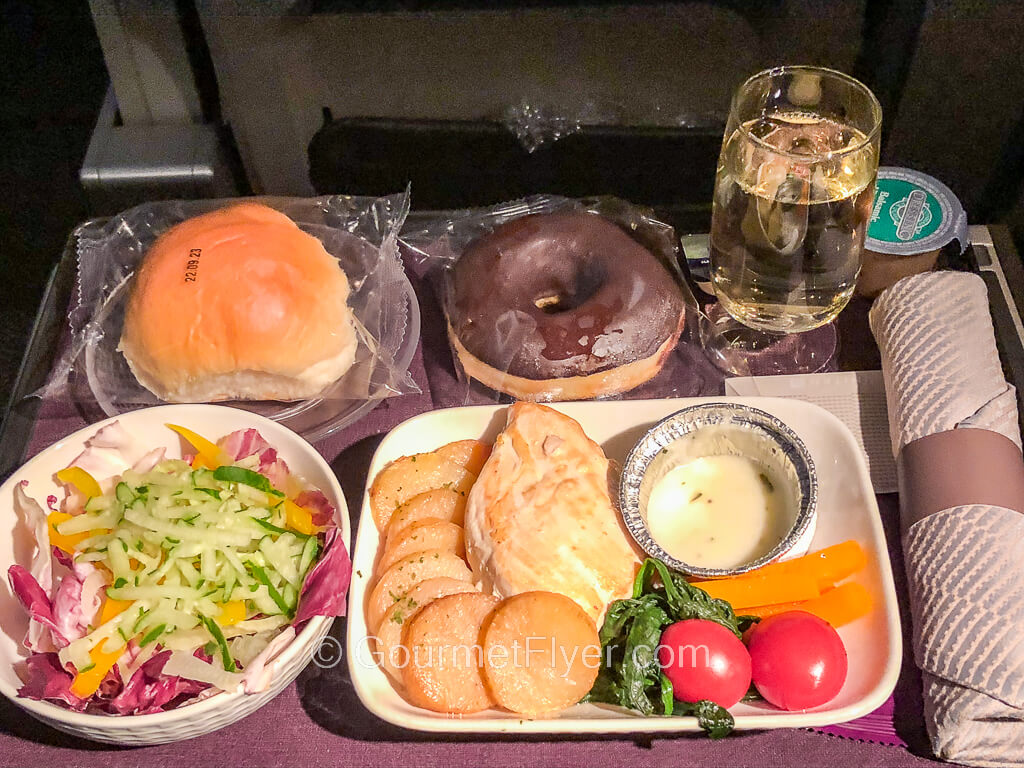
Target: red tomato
(798,661)
(704,660)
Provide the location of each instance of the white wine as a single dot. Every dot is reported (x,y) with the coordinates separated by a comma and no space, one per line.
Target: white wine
(792,201)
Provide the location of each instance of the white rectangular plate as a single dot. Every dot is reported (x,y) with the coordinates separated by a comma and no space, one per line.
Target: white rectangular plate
(846,510)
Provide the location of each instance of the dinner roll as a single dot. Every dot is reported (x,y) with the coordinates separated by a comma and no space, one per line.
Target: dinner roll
(238,303)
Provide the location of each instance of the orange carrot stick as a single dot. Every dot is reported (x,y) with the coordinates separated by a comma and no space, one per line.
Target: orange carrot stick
(764,611)
(839,606)
(828,566)
(823,568)
(749,592)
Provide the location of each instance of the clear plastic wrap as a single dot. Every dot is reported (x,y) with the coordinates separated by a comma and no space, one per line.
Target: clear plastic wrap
(536,125)
(361,233)
(439,244)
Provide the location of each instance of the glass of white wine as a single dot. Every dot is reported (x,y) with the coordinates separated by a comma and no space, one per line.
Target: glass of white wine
(793,196)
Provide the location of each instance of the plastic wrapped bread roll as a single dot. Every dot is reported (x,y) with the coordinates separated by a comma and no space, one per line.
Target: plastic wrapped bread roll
(238,303)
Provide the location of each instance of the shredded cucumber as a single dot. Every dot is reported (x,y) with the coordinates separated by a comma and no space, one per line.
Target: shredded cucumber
(77,652)
(90,521)
(97,504)
(309,552)
(152,635)
(244,476)
(225,653)
(255,625)
(124,493)
(179,545)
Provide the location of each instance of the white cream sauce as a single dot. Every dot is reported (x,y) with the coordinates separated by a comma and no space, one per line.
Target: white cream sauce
(718,511)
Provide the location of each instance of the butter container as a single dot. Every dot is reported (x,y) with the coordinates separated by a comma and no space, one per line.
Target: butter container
(914,217)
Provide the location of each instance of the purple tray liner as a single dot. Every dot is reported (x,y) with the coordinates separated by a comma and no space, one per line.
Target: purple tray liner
(319,718)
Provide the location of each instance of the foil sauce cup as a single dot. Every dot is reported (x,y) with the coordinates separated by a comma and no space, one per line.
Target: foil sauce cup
(721,429)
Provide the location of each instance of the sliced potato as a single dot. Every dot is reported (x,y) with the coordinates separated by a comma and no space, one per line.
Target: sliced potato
(444,672)
(406,574)
(470,454)
(429,533)
(408,476)
(440,504)
(541,653)
(393,655)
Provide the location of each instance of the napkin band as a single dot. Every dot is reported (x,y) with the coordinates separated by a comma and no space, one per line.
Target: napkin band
(959,467)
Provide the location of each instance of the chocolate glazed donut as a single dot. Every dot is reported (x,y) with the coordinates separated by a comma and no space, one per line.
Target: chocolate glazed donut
(562,306)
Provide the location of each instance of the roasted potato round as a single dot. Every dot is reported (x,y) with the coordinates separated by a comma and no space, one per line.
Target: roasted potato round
(408,476)
(406,574)
(444,672)
(438,504)
(470,454)
(541,653)
(392,654)
(429,533)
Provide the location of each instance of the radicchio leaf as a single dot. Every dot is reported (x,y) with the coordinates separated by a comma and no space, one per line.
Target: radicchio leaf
(323,592)
(35,520)
(247,442)
(48,681)
(149,690)
(109,452)
(78,600)
(321,510)
(242,443)
(43,633)
(63,558)
(259,671)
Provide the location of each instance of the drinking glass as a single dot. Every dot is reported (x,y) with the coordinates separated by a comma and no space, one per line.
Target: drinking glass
(793,196)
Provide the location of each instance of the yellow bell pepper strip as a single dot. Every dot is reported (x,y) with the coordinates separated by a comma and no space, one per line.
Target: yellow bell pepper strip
(65,543)
(112,608)
(208,453)
(87,682)
(83,482)
(231,613)
(298,518)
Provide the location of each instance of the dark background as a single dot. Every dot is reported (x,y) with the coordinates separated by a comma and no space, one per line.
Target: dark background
(53,80)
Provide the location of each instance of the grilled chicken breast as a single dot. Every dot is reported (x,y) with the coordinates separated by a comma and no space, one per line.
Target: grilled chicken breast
(541,517)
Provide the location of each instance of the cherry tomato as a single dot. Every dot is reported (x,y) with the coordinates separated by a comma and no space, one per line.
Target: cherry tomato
(704,660)
(798,661)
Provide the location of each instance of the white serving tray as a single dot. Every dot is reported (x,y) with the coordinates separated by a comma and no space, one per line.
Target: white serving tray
(846,510)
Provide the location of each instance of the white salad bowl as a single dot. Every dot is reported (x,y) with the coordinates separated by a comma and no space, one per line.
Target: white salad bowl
(189,720)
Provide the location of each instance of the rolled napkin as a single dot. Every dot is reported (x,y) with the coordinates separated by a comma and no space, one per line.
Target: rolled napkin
(955,435)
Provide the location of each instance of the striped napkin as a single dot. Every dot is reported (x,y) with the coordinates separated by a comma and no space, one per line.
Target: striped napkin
(964,553)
